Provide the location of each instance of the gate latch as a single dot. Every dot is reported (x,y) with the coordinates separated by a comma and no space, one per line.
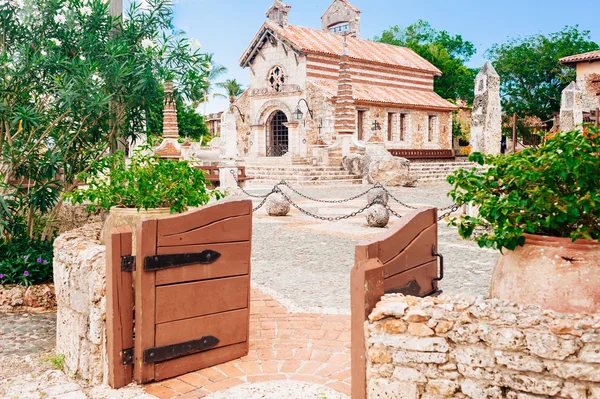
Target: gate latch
(128,263)
(127,357)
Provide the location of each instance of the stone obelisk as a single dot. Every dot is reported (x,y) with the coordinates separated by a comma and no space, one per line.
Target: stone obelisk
(486,119)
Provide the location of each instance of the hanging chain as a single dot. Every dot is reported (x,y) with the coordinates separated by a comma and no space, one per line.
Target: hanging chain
(450,209)
(284,183)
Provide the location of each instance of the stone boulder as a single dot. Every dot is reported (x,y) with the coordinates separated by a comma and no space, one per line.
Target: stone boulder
(379,195)
(278,205)
(377,216)
(382,167)
(354,164)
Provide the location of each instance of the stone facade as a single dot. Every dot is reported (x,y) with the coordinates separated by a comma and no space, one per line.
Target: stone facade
(80,283)
(461,347)
(288,72)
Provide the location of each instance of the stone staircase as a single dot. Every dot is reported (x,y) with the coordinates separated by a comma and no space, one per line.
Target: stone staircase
(437,171)
(303,175)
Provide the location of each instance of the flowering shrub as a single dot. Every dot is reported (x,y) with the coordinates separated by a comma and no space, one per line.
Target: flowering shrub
(25,262)
(146,182)
(551,190)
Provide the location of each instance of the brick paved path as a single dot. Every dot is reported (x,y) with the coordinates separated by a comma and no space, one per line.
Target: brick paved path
(309,348)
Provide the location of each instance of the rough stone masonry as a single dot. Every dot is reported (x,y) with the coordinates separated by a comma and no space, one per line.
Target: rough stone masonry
(460,347)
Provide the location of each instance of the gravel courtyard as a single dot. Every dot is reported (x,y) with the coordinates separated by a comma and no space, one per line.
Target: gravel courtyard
(305,263)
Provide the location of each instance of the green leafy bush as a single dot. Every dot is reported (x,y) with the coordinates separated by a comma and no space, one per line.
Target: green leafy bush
(146,182)
(25,262)
(552,190)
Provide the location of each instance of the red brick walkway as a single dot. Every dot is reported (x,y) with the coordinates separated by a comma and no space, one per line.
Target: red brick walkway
(283,346)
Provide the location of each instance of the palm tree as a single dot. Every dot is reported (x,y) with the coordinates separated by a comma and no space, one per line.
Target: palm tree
(215,73)
(233,89)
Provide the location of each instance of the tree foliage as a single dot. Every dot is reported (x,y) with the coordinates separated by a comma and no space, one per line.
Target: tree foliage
(447,52)
(73,82)
(233,89)
(551,190)
(532,79)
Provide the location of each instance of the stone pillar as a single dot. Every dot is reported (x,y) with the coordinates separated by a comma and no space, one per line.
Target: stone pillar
(228,136)
(255,141)
(571,107)
(486,122)
(170,147)
(228,175)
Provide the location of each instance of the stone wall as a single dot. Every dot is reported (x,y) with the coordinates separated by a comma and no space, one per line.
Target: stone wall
(80,283)
(474,348)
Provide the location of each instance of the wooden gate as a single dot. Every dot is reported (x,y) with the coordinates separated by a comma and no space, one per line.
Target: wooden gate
(402,260)
(191,293)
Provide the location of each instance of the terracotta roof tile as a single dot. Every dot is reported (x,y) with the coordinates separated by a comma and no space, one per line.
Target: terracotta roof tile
(591,56)
(319,42)
(389,95)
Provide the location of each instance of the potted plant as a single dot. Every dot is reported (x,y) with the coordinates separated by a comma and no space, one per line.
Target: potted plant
(143,187)
(541,209)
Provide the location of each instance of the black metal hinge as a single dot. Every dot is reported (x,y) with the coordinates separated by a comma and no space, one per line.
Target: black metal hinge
(127,263)
(162,353)
(159,262)
(127,357)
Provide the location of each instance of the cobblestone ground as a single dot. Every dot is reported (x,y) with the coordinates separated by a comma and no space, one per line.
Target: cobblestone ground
(304,263)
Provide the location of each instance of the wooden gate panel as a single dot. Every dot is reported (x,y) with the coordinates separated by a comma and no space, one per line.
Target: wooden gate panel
(233,261)
(119,307)
(414,282)
(184,301)
(199,299)
(418,252)
(401,260)
(216,325)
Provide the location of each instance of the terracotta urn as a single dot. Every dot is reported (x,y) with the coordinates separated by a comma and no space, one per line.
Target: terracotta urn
(129,217)
(554,273)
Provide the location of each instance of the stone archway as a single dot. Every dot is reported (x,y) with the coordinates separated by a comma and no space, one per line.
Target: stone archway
(278,138)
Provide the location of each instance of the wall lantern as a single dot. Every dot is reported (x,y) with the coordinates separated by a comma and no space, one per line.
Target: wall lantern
(299,115)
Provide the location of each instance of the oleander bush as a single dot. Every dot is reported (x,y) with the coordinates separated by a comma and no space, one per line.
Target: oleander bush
(551,190)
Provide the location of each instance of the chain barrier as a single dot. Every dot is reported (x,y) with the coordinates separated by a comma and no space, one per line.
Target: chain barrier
(449,209)
(284,183)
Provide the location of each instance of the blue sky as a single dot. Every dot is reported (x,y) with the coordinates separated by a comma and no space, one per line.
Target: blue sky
(226,27)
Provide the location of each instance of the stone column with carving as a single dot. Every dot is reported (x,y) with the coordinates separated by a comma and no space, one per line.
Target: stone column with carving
(571,107)
(486,119)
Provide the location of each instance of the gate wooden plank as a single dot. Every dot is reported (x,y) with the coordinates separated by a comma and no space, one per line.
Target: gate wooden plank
(144,300)
(366,289)
(417,253)
(423,275)
(225,230)
(192,220)
(119,307)
(228,327)
(234,261)
(403,233)
(187,364)
(183,301)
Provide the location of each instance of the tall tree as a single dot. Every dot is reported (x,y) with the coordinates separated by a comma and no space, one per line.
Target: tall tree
(233,89)
(214,73)
(447,52)
(532,79)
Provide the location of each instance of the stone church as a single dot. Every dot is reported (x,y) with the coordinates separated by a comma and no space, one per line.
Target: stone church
(316,95)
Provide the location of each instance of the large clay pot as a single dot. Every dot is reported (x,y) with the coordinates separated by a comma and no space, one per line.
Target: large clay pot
(130,217)
(552,272)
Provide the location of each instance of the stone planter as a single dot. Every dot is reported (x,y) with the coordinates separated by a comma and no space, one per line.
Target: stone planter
(552,272)
(130,217)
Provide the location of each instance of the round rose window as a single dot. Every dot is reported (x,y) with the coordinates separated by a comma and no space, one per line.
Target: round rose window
(276,79)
